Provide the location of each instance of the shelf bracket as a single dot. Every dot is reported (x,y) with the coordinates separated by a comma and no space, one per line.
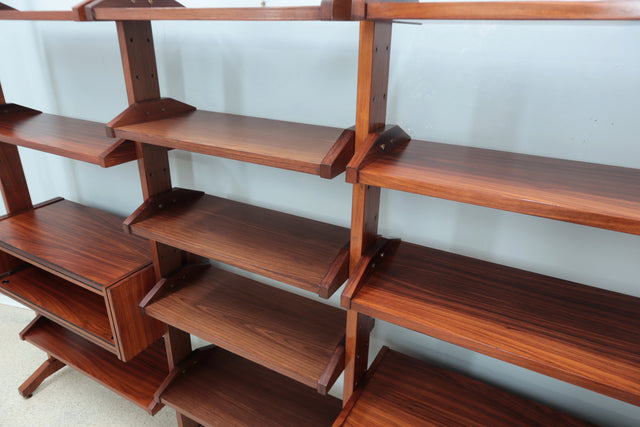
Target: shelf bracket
(156,203)
(48,368)
(8,109)
(167,285)
(148,111)
(377,143)
(336,275)
(374,256)
(95,4)
(336,160)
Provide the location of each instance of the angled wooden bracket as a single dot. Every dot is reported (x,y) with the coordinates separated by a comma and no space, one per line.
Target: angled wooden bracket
(159,202)
(336,275)
(336,160)
(173,283)
(148,111)
(373,257)
(333,370)
(384,141)
(182,368)
(5,7)
(17,109)
(89,6)
(48,368)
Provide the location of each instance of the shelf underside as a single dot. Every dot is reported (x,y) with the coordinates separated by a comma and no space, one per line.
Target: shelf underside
(579,334)
(294,250)
(286,145)
(290,334)
(136,380)
(584,193)
(65,303)
(64,136)
(507,10)
(225,389)
(81,244)
(404,391)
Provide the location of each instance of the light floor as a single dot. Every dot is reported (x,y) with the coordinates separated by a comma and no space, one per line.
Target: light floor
(67,398)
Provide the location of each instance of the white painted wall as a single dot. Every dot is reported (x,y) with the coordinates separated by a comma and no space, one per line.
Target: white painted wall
(569,90)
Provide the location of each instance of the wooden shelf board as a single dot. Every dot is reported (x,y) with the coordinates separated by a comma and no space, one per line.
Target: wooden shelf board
(37,15)
(225,389)
(508,10)
(301,13)
(401,390)
(287,145)
(290,334)
(579,334)
(63,302)
(64,136)
(136,380)
(583,193)
(288,248)
(83,245)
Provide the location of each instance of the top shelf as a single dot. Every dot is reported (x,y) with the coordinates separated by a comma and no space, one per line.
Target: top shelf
(73,138)
(109,10)
(76,14)
(612,10)
(583,193)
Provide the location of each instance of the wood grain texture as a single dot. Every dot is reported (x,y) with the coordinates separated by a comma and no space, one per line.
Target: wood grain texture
(288,248)
(64,136)
(13,184)
(291,334)
(584,193)
(579,334)
(48,368)
(37,15)
(146,111)
(380,142)
(301,13)
(286,145)
(138,60)
(224,389)
(65,303)
(133,331)
(403,391)
(136,380)
(508,10)
(83,245)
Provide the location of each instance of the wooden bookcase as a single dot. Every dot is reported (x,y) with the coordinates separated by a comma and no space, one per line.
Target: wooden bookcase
(71,263)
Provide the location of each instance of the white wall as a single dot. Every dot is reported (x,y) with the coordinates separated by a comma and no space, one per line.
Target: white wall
(569,90)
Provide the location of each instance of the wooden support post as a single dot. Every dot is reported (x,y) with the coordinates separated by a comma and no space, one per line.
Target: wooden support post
(373,76)
(48,368)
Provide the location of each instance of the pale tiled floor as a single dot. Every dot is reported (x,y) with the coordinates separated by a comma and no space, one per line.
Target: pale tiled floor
(67,398)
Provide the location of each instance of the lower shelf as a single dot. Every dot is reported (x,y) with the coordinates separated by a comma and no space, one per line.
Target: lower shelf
(400,390)
(215,387)
(136,380)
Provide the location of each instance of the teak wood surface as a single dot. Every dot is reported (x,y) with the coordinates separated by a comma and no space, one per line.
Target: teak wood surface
(290,334)
(73,307)
(136,380)
(403,391)
(584,193)
(225,389)
(295,250)
(579,334)
(73,138)
(81,244)
(507,10)
(286,145)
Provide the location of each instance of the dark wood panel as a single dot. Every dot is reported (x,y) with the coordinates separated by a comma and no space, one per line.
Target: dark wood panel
(292,249)
(508,10)
(290,334)
(64,136)
(82,244)
(136,380)
(404,391)
(225,389)
(584,193)
(63,302)
(579,334)
(287,145)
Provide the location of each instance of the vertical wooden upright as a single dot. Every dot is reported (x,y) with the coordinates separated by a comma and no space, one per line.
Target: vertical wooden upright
(373,77)
(141,79)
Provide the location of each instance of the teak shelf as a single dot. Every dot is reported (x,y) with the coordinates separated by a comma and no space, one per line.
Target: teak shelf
(401,390)
(301,252)
(215,387)
(136,380)
(291,334)
(576,333)
(584,193)
(73,138)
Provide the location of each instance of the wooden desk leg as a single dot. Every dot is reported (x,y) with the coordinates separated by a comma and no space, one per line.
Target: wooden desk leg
(48,368)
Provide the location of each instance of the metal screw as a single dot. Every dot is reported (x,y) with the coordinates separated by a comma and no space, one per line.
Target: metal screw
(383,147)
